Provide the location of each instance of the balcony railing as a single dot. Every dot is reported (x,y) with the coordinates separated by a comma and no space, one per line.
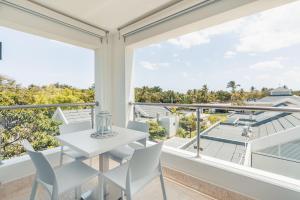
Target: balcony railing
(198,107)
(90,105)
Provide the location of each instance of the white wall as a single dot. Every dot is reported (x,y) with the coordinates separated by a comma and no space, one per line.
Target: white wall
(19,167)
(247,181)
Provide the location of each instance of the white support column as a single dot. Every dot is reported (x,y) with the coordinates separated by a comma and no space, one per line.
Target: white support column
(122,59)
(103,76)
(113,78)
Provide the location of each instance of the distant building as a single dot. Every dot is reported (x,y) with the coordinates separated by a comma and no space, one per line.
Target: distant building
(161,114)
(277,97)
(281,91)
(145,111)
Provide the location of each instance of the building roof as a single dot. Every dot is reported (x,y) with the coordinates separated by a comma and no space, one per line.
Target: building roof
(151,111)
(72,116)
(277,99)
(221,150)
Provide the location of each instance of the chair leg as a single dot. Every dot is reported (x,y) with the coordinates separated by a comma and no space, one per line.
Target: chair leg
(54,195)
(78,193)
(33,190)
(122,195)
(163,186)
(101,190)
(128,196)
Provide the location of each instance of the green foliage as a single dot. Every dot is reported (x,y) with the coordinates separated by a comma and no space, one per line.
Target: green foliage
(156,131)
(35,125)
(187,126)
(203,95)
(213,118)
(188,123)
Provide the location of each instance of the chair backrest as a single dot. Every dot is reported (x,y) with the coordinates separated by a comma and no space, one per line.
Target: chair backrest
(144,162)
(44,170)
(74,127)
(138,126)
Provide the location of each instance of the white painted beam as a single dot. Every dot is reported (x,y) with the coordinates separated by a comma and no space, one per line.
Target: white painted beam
(44,11)
(160,15)
(26,22)
(207,16)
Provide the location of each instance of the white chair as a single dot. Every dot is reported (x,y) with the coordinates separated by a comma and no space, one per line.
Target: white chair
(124,153)
(133,175)
(69,128)
(60,180)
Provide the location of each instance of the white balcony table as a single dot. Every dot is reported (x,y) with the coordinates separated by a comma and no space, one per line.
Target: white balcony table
(82,142)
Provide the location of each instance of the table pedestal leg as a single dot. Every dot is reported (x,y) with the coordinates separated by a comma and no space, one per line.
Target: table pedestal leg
(103,166)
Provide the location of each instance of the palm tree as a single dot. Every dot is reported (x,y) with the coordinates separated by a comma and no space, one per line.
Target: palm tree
(205,95)
(233,86)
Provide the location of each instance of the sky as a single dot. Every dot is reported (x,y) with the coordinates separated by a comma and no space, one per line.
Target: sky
(261,50)
(30,59)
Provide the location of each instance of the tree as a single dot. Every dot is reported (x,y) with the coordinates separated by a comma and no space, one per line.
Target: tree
(156,131)
(188,123)
(35,125)
(233,86)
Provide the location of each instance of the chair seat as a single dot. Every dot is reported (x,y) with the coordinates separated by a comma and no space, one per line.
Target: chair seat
(118,177)
(72,175)
(121,153)
(74,154)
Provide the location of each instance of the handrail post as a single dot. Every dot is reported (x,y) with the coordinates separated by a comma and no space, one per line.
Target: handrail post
(198,132)
(134,112)
(1,145)
(92,115)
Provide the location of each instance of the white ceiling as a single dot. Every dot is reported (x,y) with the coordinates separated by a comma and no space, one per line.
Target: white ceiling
(107,14)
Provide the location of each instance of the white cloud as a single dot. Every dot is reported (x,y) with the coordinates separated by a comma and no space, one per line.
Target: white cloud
(229,54)
(157,45)
(271,30)
(153,66)
(267,65)
(204,36)
(189,40)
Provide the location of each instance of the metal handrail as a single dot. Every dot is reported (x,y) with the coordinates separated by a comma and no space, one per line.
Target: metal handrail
(216,106)
(221,106)
(32,106)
